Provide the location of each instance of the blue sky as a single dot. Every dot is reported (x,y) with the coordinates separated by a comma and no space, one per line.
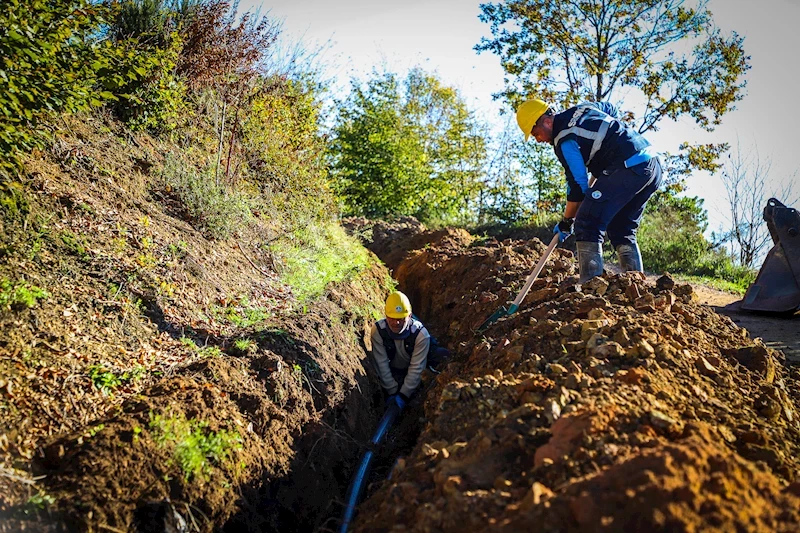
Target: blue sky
(440,35)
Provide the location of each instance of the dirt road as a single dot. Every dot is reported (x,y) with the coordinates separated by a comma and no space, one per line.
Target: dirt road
(778,332)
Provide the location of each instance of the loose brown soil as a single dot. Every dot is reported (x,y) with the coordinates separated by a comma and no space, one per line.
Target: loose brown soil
(622,405)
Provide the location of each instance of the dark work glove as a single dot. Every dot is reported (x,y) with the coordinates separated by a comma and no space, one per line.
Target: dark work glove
(398,399)
(564,228)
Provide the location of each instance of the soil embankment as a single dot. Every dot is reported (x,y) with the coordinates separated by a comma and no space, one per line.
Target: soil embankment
(622,405)
(150,375)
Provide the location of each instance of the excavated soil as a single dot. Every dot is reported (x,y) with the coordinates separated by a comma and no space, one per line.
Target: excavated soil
(620,405)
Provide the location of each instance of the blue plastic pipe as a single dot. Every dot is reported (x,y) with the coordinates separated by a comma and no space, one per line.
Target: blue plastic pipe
(357,484)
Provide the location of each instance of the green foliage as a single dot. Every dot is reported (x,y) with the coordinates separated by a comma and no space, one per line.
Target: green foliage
(157,100)
(283,150)
(53,60)
(407,147)
(106,381)
(38,502)
(74,244)
(244,315)
(19,295)
(671,240)
(195,447)
(567,52)
(244,346)
(12,199)
(216,210)
(525,180)
(317,255)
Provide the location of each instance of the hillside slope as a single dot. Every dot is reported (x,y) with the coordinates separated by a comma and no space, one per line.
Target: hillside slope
(148,372)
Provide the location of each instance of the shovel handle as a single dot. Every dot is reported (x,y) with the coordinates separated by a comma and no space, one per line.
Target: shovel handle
(535,274)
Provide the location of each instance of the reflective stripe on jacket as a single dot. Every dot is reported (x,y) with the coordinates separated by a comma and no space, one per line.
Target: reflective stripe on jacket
(605,142)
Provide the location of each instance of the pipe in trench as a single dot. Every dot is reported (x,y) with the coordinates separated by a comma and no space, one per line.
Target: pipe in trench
(357,484)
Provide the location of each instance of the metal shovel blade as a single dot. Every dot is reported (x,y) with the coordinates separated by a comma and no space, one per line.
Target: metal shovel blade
(500,313)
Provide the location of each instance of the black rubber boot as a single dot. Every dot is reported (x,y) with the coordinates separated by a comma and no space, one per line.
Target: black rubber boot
(590,259)
(630,259)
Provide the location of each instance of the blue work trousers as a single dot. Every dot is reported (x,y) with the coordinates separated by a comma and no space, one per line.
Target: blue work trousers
(615,204)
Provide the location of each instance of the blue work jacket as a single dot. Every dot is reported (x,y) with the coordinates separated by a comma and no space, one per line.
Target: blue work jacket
(605,143)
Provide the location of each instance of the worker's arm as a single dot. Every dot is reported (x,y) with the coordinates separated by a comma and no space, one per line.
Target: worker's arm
(572,209)
(382,361)
(417,364)
(575,170)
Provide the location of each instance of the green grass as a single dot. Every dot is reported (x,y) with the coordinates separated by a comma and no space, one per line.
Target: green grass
(106,381)
(19,295)
(244,346)
(317,255)
(715,283)
(195,447)
(204,351)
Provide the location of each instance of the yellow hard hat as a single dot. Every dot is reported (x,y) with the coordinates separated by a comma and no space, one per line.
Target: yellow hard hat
(528,113)
(397,305)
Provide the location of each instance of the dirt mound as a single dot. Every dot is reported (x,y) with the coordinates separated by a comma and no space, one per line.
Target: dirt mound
(393,241)
(621,404)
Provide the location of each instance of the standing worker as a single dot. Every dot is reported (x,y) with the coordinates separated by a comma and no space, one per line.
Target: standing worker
(402,348)
(590,136)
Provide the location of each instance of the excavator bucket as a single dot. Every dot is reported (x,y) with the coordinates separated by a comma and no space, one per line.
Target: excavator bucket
(777,287)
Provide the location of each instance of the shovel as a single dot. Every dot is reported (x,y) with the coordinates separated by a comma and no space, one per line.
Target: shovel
(500,313)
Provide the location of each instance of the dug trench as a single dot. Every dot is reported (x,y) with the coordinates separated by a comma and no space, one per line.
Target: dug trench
(620,405)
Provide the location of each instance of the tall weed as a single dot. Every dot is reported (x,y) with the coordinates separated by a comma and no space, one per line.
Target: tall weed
(214,209)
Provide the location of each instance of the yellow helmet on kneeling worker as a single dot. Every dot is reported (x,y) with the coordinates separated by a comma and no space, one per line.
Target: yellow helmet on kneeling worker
(397,305)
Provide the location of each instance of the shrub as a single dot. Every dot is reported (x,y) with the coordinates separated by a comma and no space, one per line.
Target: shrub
(217,211)
(54,59)
(283,150)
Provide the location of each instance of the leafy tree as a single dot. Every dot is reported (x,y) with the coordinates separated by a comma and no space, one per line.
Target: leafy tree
(407,147)
(523,180)
(50,62)
(567,52)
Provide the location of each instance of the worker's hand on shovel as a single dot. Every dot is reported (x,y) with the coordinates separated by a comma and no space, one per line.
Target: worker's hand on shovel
(564,228)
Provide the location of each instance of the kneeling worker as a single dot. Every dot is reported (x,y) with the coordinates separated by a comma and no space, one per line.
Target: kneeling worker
(402,347)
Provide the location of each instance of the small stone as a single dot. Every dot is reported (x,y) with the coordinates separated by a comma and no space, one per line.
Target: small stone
(552,411)
(536,495)
(622,337)
(573,382)
(608,350)
(645,303)
(597,285)
(705,367)
(632,292)
(556,369)
(666,423)
(487,297)
(595,340)
(597,314)
(665,282)
(645,349)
